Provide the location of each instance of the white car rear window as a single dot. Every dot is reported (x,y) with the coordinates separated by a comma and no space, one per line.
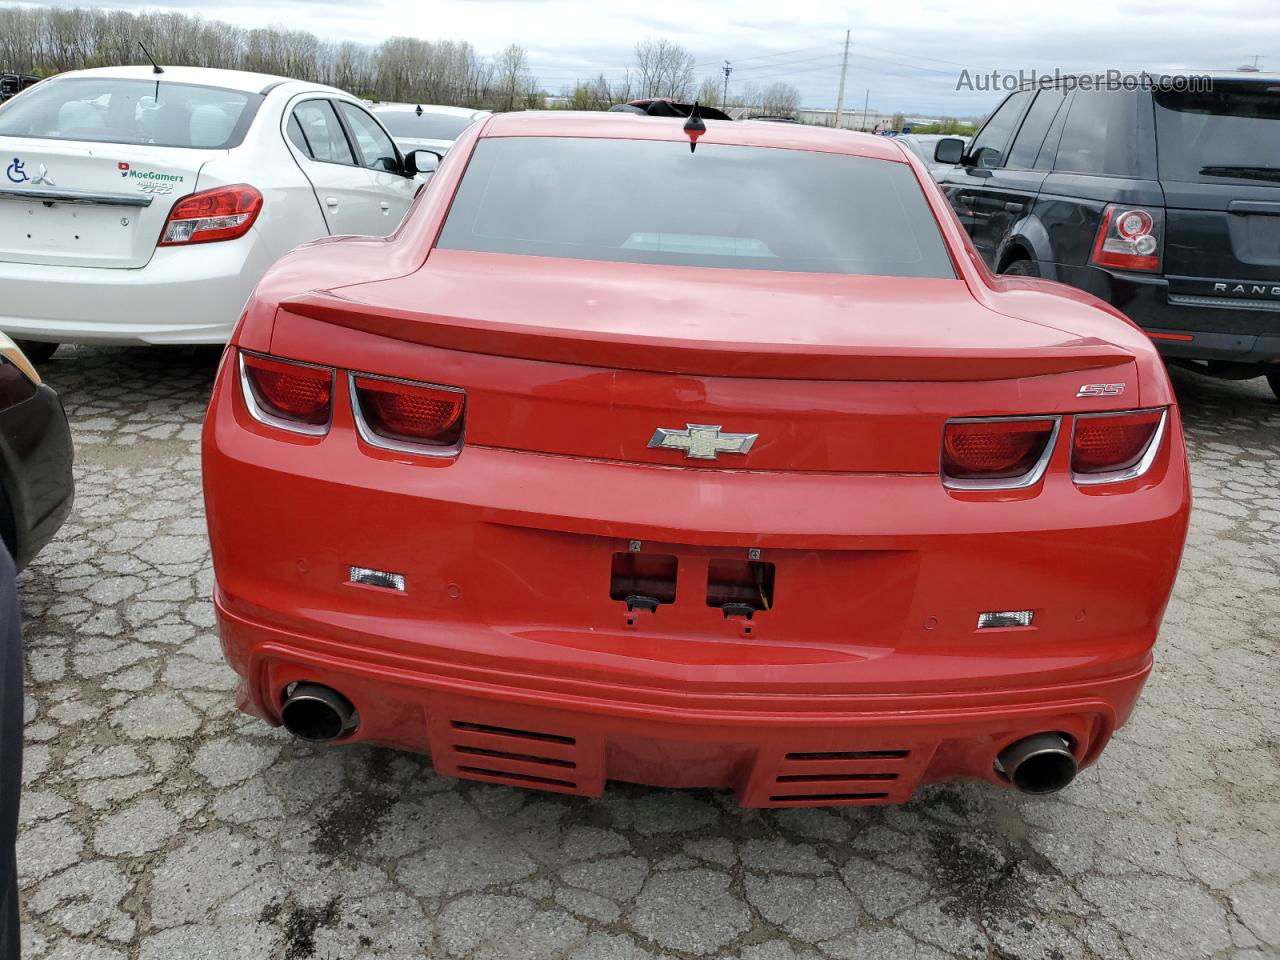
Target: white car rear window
(428,126)
(149,112)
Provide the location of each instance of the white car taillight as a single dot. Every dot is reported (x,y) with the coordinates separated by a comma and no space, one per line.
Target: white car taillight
(1129,238)
(211,215)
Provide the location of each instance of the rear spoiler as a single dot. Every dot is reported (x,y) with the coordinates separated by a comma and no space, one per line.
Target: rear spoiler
(701,357)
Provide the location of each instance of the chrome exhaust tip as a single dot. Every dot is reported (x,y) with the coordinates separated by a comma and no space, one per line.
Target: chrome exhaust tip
(1041,763)
(317,713)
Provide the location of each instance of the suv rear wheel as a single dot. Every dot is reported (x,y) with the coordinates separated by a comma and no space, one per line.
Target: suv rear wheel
(1274,380)
(1021,268)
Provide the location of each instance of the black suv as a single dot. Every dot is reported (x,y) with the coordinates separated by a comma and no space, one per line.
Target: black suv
(1164,202)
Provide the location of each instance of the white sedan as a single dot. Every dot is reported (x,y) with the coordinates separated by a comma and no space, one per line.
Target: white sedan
(143,207)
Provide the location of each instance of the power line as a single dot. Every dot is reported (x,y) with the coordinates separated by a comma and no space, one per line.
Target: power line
(857,59)
(909,66)
(918,56)
(766,56)
(772,66)
(788,73)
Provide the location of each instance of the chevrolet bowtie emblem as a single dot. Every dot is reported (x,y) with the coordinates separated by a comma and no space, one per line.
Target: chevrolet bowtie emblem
(702,442)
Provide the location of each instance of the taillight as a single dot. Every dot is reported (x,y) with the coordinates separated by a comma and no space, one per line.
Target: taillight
(1128,238)
(1107,447)
(286,394)
(997,453)
(419,418)
(220,214)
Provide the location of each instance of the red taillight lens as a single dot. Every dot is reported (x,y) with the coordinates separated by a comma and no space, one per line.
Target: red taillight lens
(1128,238)
(1112,442)
(416,414)
(293,393)
(994,449)
(221,214)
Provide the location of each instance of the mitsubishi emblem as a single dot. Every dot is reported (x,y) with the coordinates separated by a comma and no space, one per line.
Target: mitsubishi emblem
(700,441)
(43,177)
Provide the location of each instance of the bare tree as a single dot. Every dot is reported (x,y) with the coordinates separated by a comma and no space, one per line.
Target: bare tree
(779,100)
(512,68)
(710,92)
(664,69)
(595,94)
(623,90)
(20,30)
(532,96)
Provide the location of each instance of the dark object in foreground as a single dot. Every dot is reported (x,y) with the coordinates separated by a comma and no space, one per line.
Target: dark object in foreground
(36,486)
(10,754)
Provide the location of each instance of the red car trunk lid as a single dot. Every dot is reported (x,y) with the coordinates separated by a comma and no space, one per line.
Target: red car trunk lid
(703,321)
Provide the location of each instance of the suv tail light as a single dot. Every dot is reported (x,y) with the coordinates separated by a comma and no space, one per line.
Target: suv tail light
(997,453)
(1108,447)
(421,418)
(286,394)
(221,214)
(1129,238)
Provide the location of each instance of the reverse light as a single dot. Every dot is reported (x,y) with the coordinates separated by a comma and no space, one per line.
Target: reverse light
(368,577)
(997,453)
(1110,447)
(421,418)
(211,215)
(1005,618)
(287,394)
(1128,238)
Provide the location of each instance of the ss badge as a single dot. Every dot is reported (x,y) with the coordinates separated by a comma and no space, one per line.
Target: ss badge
(1101,390)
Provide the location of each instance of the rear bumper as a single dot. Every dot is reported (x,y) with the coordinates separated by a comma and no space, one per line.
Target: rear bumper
(507,620)
(1190,327)
(35,470)
(502,726)
(182,296)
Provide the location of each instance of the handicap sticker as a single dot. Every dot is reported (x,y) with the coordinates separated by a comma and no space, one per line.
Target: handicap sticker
(17,171)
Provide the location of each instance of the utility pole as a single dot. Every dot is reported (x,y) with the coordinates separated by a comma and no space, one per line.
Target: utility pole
(724,98)
(844,69)
(865,104)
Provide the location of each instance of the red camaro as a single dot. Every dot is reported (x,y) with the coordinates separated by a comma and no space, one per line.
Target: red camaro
(729,467)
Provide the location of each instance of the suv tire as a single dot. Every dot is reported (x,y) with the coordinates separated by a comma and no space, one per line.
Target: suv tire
(1021,268)
(1274,380)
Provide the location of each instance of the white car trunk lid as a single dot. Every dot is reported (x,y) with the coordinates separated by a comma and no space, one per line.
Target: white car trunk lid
(89,204)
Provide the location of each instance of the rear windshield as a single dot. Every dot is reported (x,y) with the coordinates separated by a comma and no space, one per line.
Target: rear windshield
(429,126)
(1230,133)
(644,201)
(153,112)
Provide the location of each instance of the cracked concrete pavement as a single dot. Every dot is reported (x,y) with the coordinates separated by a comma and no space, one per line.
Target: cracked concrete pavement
(159,823)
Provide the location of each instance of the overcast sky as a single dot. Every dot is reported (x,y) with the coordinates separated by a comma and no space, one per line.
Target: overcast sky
(907,53)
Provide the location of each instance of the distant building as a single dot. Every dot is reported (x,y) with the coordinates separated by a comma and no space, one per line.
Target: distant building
(852,119)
